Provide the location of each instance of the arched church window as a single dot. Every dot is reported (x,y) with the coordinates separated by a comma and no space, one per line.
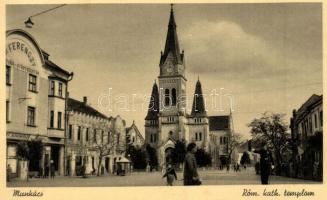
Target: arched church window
(200,136)
(167,97)
(173,99)
(196,136)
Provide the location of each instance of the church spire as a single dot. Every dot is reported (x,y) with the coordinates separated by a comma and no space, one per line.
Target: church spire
(172,45)
(198,107)
(153,108)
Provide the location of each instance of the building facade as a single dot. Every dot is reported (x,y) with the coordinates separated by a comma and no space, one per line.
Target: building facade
(167,120)
(89,134)
(221,129)
(306,127)
(133,136)
(35,101)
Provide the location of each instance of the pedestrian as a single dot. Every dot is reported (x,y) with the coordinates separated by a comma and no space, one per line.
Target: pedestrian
(266,163)
(191,176)
(170,174)
(52,169)
(46,173)
(9,171)
(41,173)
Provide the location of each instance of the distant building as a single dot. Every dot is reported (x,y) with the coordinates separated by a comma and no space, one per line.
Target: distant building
(220,131)
(307,131)
(35,101)
(88,130)
(133,136)
(246,146)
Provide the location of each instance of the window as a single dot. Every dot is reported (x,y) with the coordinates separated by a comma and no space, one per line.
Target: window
(316,123)
(60,90)
(7,111)
(31,116)
(70,131)
(321,115)
(221,140)
(166,97)
(79,134)
(59,119)
(173,92)
(87,134)
(52,88)
(51,118)
(32,83)
(118,138)
(196,136)
(200,136)
(94,135)
(8,75)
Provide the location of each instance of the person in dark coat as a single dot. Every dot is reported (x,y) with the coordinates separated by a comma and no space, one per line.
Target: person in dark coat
(46,172)
(266,163)
(170,174)
(52,169)
(191,176)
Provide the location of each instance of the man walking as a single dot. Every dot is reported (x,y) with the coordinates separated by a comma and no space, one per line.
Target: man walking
(266,163)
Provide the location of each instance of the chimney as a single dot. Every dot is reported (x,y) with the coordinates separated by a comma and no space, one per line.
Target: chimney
(85,100)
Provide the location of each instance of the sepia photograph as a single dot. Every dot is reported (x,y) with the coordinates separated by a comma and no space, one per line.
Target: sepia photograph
(124,95)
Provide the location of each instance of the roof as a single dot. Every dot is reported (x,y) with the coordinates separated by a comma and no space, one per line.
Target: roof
(81,107)
(198,107)
(153,108)
(53,66)
(306,106)
(133,126)
(217,123)
(172,44)
(123,160)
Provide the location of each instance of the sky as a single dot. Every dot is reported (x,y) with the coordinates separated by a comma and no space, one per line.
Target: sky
(255,58)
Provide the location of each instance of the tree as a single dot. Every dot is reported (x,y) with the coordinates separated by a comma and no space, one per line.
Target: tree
(179,152)
(152,156)
(203,158)
(271,128)
(104,146)
(138,156)
(245,159)
(30,151)
(233,142)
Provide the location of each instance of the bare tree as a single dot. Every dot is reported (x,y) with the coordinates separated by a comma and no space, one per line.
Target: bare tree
(233,142)
(104,144)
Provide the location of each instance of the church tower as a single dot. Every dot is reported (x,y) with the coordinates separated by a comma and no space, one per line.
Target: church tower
(172,87)
(151,119)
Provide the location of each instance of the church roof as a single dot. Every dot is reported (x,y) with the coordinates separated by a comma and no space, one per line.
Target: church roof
(81,107)
(172,45)
(198,107)
(153,108)
(217,123)
(133,126)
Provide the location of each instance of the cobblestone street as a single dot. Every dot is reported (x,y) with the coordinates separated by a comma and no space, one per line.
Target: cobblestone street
(209,177)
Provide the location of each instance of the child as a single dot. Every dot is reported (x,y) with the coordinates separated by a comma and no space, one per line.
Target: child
(170,174)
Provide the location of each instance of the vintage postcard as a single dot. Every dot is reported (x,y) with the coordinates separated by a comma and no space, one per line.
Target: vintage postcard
(200,100)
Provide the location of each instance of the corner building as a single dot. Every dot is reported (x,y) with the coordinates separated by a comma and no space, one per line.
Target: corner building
(35,101)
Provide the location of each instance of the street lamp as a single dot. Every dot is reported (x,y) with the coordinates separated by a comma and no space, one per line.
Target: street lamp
(28,23)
